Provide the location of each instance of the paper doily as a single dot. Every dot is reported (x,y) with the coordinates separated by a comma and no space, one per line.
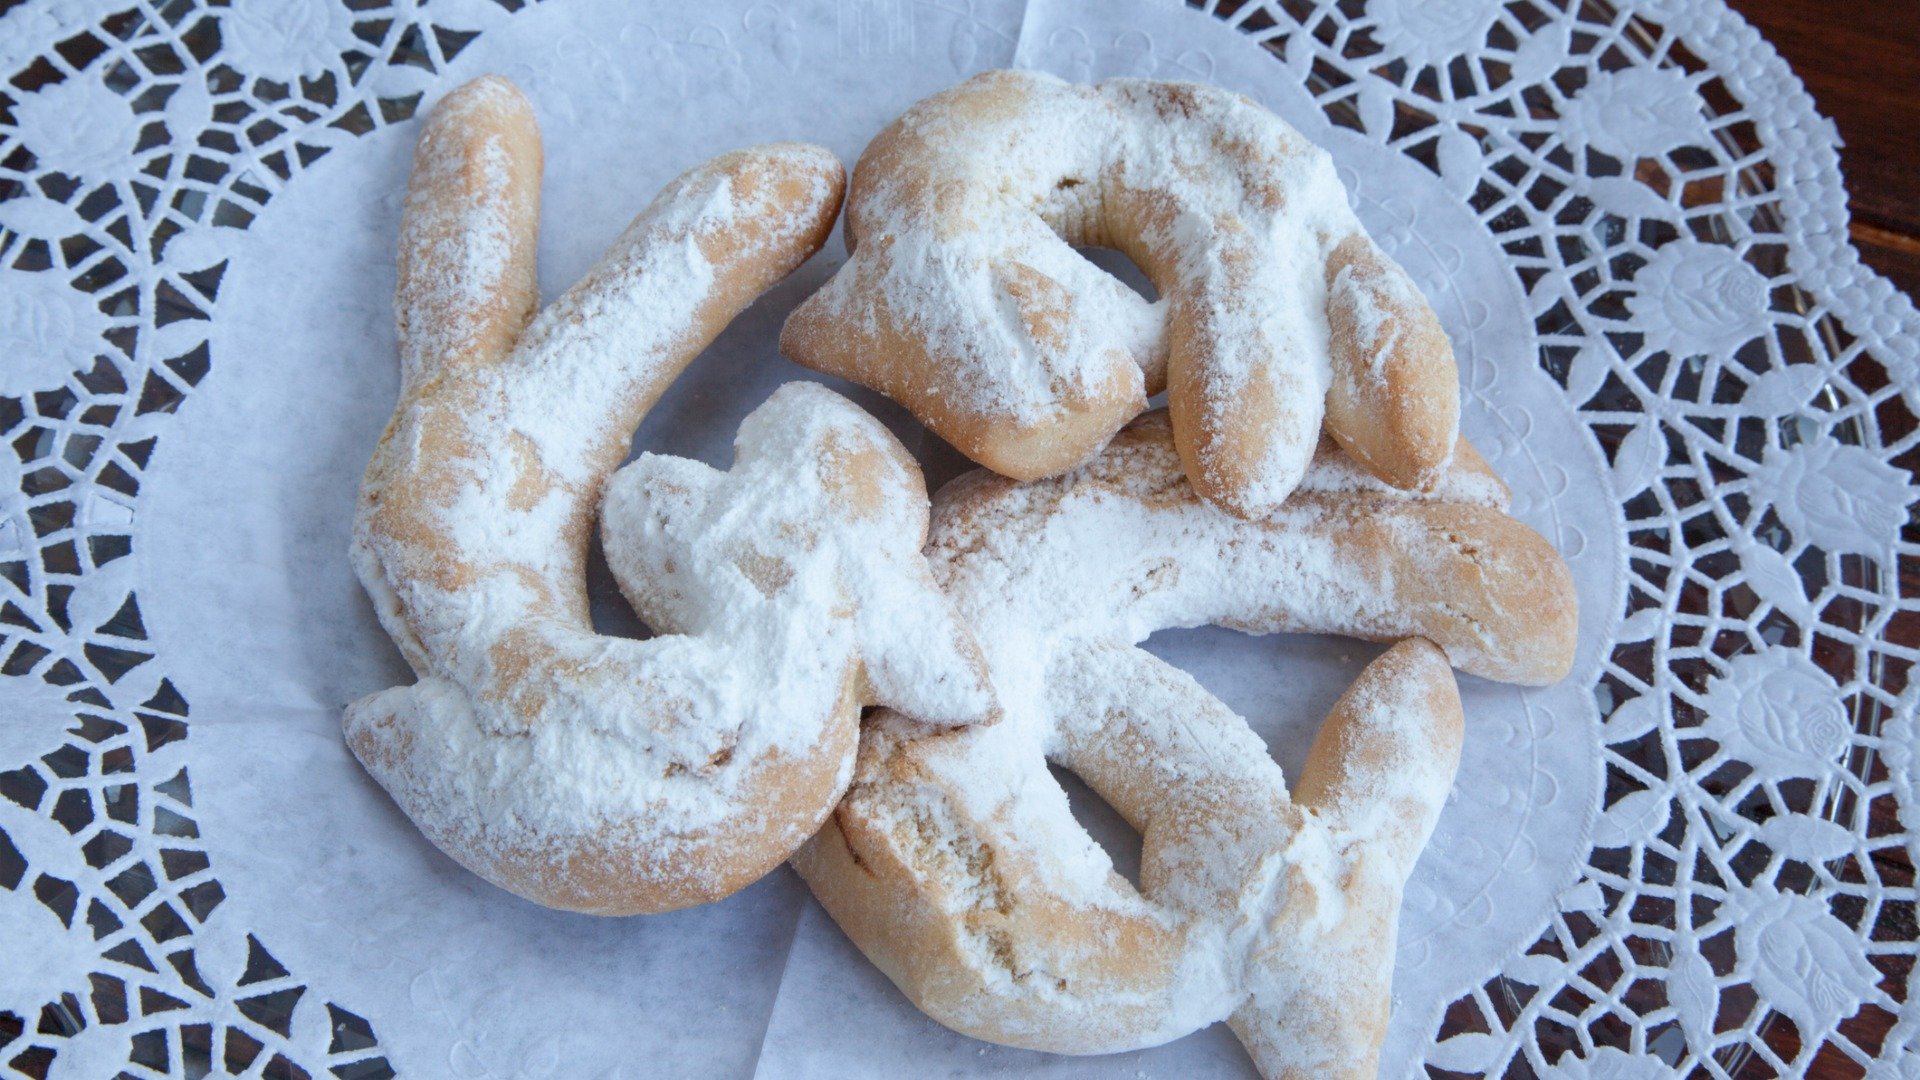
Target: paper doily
(1644,188)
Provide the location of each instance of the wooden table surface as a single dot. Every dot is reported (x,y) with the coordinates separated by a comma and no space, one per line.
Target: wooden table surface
(1861,61)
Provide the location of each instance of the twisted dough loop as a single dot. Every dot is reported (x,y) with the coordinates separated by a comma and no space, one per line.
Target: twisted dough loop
(1277,913)
(579,771)
(955,864)
(964,299)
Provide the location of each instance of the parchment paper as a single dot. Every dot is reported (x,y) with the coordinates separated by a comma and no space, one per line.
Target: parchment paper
(251,598)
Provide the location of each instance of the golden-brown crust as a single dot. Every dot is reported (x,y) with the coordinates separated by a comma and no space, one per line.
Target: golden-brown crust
(882,356)
(1395,401)
(962,301)
(953,908)
(953,862)
(602,876)
(478,156)
(1479,583)
(590,773)
(956,910)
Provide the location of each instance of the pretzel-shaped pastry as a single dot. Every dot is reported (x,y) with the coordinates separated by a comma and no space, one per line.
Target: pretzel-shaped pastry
(963,299)
(955,864)
(604,774)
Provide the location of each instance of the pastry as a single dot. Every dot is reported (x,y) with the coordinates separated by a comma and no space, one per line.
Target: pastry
(955,864)
(963,297)
(605,774)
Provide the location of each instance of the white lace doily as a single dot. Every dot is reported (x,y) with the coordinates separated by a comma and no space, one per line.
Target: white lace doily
(1694,855)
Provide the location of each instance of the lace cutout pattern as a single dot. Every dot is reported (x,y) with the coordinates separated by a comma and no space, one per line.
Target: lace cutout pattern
(1671,206)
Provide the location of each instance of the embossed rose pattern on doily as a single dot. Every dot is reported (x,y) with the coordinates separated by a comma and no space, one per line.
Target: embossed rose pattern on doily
(1699,299)
(1672,210)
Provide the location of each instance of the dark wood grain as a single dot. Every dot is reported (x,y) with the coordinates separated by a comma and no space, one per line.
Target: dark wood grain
(1861,61)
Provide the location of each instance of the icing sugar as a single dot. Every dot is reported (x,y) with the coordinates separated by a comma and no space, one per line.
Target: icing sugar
(1462,482)
(1023,186)
(771,563)
(961,226)
(1377,329)
(528,733)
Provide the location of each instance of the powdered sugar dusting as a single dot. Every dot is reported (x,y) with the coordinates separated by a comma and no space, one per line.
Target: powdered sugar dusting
(1247,892)
(1376,330)
(775,564)
(468,262)
(964,297)
(1460,482)
(1017,185)
(612,774)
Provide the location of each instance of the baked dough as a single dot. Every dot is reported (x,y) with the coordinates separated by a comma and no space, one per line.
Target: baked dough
(955,864)
(604,774)
(963,298)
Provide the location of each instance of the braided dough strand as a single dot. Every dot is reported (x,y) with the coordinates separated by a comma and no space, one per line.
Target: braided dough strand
(593,773)
(955,863)
(964,299)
